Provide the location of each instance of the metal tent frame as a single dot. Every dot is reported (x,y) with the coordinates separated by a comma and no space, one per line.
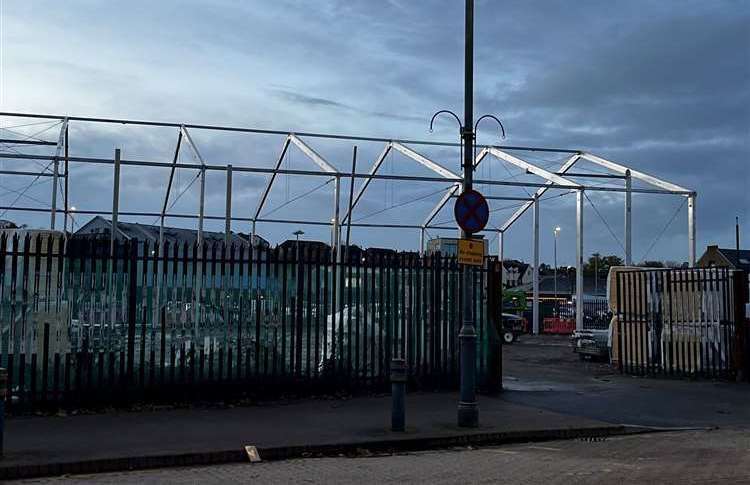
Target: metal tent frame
(562,179)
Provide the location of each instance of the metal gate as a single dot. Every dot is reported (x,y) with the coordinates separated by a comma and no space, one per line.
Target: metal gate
(684,322)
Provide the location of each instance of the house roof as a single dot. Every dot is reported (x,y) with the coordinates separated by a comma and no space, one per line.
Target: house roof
(716,256)
(740,259)
(514,263)
(143,232)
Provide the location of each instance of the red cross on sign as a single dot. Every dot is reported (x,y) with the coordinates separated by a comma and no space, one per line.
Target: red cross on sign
(471,211)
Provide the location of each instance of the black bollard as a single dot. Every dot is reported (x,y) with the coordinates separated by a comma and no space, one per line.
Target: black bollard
(398,392)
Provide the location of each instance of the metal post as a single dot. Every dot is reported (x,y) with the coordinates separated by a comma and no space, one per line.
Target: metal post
(67,176)
(500,256)
(201,206)
(252,240)
(628,219)
(421,241)
(398,395)
(56,173)
(351,200)
(579,260)
(3,388)
(169,190)
(555,272)
(336,248)
(115,202)
(228,210)
(335,223)
(535,284)
(53,211)
(468,410)
(691,230)
(596,274)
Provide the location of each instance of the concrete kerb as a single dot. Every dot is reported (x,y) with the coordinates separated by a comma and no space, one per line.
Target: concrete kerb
(238,455)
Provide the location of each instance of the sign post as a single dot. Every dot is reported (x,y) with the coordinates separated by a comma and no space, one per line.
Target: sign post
(468,410)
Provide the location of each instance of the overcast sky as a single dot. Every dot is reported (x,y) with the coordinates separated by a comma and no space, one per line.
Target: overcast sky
(661,86)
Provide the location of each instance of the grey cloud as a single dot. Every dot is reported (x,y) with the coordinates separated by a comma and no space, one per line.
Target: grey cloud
(661,85)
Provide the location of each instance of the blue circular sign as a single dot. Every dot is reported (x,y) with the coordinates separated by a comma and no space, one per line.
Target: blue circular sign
(471,211)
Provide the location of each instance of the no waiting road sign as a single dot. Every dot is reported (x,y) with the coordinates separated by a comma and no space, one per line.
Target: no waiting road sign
(471,211)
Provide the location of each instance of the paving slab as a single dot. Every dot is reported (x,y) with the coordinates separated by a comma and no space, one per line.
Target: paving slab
(37,446)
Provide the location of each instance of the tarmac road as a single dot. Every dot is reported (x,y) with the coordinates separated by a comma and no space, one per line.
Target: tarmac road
(543,372)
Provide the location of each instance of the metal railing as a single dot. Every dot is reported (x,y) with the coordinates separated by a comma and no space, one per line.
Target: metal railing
(83,323)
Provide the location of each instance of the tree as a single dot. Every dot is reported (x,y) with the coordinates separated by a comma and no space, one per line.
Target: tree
(652,264)
(601,263)
(514,300)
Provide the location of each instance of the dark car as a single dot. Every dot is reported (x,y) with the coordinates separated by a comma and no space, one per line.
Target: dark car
(513,326)
(592,343)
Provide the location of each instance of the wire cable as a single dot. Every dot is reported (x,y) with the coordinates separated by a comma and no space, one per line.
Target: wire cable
(34,124)
(605,222)
(664,229)
(10,190)
(298,197)
(23,191)
(32,136)
(405,203)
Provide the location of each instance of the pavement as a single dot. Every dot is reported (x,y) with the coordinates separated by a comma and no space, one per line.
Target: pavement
(708,457)
(548,394)
(121,440)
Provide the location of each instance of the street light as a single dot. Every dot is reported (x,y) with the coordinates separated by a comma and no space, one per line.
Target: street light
(556,231)
(72,219)
(298,233)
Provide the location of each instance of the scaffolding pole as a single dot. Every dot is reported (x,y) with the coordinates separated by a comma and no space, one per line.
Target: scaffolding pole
(535,236)
(228,209)
(336,239)
(500,256)
(691,230)
(56,174)
(163,213)
(66,201)
(628,219)
(579,260)
(115,202)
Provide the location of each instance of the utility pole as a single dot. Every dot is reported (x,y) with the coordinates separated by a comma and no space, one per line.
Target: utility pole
(596,274)
(557,231)
(737,239)
(468,410)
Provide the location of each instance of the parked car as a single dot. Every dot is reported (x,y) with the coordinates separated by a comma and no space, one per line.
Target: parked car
(591,342)
(513,327)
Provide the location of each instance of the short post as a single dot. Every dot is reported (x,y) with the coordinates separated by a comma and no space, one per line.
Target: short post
(495,334)
(398,392)
(3,387)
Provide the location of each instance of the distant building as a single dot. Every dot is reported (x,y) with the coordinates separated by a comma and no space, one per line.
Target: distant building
(448,246)
(516,273)
(304,245)
(99,227)
(725,258)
